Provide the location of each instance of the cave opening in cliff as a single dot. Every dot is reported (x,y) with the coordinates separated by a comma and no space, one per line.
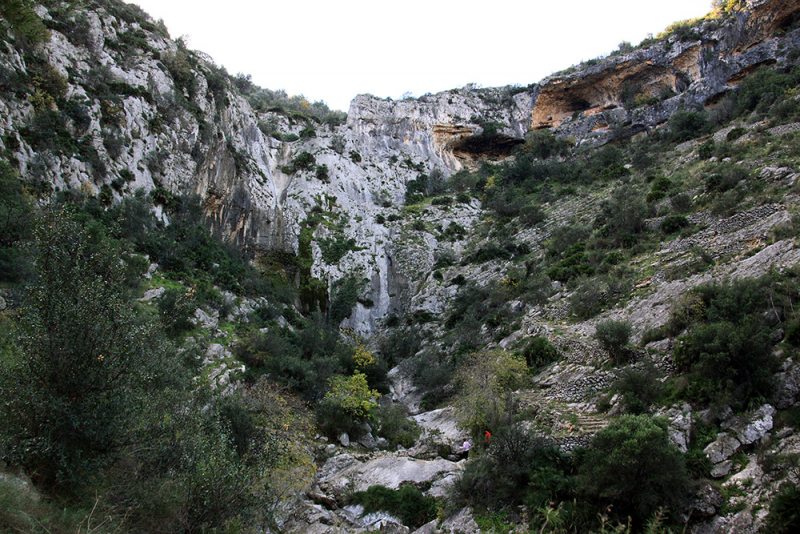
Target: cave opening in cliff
(493,147)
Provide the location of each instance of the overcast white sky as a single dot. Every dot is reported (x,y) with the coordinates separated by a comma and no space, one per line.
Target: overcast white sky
(333,50)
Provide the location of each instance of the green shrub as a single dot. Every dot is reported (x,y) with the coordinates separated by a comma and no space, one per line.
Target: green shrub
(407,504)
(67,416)
(687,125)
(322,173)
(621,223)
(706,150)
(763,89)
(726,178)
(728,356)
(793,334)
(176,308)
(24,22)
(463,181)
(574,263)
(303,161)
(518,467)
(394,424)
(640,388)
(725,203)
(613,336)
(543,144)
(728,361)
(538,352)
(345,294)
(632,466)
(673,223)
(347,403)
(659,189)
(681,203)
(180,65)
(334,248)
(735,134)
(532,214)
(784,511)
(16,208)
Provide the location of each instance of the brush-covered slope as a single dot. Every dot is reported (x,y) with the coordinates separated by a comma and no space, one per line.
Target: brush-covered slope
(601,262)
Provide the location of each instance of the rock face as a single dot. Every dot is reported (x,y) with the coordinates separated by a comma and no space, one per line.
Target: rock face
(346,474)
(751,429)
(722,448)
(741,431)
(631,93)
(190,132)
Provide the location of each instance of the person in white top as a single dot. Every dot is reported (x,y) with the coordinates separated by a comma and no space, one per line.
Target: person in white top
(464,453)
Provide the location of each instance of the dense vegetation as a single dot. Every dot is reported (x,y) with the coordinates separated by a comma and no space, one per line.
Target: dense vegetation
(112,407)
(730,336)
(99,401)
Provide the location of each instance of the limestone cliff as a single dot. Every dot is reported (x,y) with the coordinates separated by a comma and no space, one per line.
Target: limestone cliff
(626,94)
(133,109)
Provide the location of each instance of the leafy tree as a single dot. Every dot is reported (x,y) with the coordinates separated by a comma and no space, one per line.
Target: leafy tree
(485,382)
(686,125)
(728,356)
(613,336)
(352,394)
(622,217)
(632,466)
(538,352)
(16,218)
(85,362)
(728,361)
(639,387)
(519,466)
(407,503)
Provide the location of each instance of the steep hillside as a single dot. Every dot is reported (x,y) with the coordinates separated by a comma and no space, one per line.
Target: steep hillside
(603,261)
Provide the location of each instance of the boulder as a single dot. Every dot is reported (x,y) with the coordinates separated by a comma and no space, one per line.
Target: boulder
(721,469)
(461,522)
(344,439)
(216,352)
(722,448)
(428,528)
(749,429)
(368,441)
(205,320)
(707,501)
(773,174)
(320,498)
(741,523)
(441,423)
(402,389)
(22,487)
(309,518)
(335,465)
(151,294)
(385,470)
(680,426)
(788,380)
